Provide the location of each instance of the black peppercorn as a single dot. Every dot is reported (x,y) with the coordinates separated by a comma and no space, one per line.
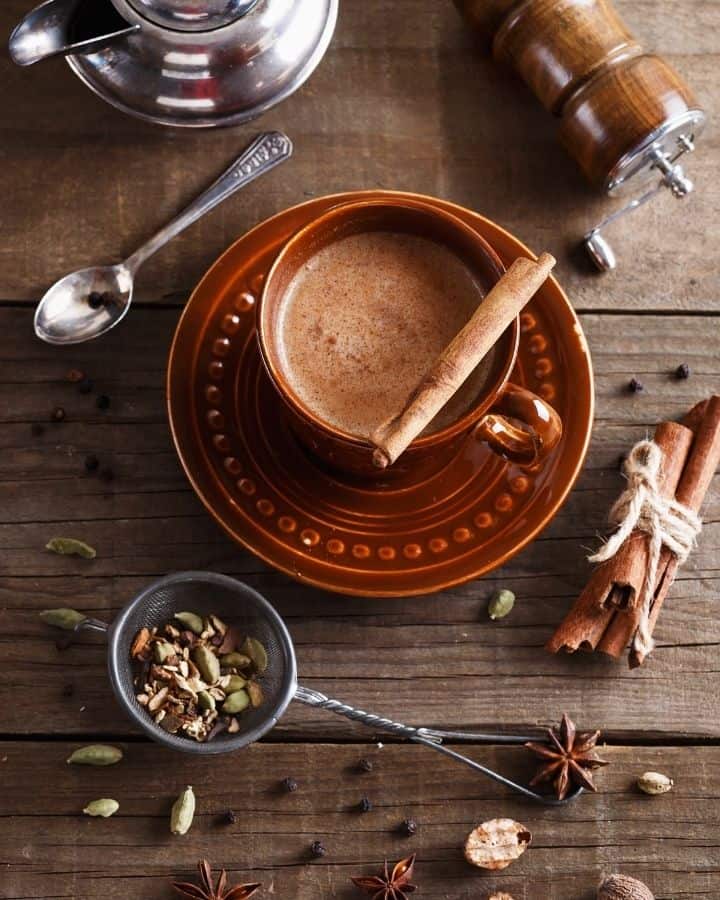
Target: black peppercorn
(103,401)
(68,690)
(365,765)
(682,371)
(95,300)
(85,386)
(408,827)
(230,818)
(36,429)
(635,386)
(290,785)
(91,462)
(365,805)
(58,414)
(317,849)
(107,474)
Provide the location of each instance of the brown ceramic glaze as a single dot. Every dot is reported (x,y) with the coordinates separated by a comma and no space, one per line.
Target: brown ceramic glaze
(429,453)
(583,64)
(413,535)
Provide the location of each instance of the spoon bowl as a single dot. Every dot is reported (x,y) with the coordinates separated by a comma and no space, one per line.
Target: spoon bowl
(70,311)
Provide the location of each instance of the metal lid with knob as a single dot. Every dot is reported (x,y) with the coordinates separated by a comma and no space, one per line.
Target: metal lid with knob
(626,116)
(192,15)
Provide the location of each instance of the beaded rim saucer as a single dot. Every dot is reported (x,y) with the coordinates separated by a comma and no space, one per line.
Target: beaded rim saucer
(408,536)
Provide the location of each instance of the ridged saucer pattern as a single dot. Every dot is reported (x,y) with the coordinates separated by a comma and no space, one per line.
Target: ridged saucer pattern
(408,536)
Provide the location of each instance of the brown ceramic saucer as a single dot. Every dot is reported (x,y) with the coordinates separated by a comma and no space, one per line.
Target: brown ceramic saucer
(404,537)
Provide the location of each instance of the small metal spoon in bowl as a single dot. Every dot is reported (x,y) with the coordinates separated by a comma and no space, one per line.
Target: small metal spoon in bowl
(87,303)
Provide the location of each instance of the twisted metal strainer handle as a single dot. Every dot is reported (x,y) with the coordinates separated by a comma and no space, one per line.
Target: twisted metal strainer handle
(433,739)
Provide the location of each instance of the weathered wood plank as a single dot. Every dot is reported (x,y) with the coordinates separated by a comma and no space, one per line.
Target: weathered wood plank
(148,522)
(50,850)
(403,100)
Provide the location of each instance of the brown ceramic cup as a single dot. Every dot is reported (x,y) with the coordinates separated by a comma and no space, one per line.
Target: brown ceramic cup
(536,428)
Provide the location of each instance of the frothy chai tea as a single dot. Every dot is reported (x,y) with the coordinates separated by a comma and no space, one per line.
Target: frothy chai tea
(363,321)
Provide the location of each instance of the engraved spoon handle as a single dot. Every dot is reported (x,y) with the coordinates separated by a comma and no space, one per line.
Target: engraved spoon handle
(267,151)
(430,738)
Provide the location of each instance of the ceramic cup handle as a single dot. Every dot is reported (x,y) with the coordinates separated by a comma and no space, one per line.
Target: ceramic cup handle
(524,447)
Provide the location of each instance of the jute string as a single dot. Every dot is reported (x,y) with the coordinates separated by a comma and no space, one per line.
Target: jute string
(666,522)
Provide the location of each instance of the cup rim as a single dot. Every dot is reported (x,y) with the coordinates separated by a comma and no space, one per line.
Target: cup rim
(284,388)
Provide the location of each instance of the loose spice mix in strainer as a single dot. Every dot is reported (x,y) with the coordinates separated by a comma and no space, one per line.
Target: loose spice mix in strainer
(208,594)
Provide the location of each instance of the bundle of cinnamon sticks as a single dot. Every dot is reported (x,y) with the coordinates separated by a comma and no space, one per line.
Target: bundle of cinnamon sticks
(606,615)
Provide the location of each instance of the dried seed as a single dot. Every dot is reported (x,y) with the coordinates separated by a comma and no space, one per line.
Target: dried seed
(158,699)
(62,618)
(408,827)
(317,849)
(258,654)
(142,699)
(205,700)
(233,726)
(501,896)
(162,652)
(170,722)
(207,663)
(501,604)
(140,643)
(654,783)
(230,640)
(365,805)
(183,811)
(229,818)
(635,386)
(105,807)
(496,843)
(231,683)
(255,693)
(190,620)
(236,702)
(235,660)
(58,414)
(682,371)
(71,547)
(218,624)
(623,887)
(95,755)
(289,784)
(364,765)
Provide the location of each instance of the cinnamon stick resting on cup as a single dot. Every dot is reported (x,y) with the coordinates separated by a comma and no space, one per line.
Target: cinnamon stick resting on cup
(455,364)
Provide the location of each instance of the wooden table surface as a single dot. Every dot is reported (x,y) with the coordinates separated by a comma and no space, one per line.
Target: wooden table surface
(402,100)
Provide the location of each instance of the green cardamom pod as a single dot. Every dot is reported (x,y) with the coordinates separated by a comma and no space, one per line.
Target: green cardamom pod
(105,807)
(181,816)
(235,660)
(654,783)
(208,664)
(257,653)
(234,683)
(71,547)
(501,603)
(255,693)
(162,650)
(236,702)
(96,755)
(205,700)
(62,618)
(190,620)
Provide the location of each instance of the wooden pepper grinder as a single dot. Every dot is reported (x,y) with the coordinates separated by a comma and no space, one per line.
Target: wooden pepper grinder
(625,115)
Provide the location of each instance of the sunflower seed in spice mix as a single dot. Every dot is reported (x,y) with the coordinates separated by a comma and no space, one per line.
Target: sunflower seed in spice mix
(195,675)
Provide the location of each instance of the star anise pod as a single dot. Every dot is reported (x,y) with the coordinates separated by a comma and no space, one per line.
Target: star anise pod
(568,758)
(206,890)
(393,885)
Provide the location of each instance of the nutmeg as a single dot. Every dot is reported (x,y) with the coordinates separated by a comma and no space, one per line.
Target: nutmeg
(623,887)
(500,896)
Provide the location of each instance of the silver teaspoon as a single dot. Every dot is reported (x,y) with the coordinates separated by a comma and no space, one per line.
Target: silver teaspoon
(87,303)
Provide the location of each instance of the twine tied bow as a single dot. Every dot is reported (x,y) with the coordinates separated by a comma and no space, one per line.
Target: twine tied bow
(667,523)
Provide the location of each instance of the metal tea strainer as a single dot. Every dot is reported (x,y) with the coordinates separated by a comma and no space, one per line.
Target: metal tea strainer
(232,601)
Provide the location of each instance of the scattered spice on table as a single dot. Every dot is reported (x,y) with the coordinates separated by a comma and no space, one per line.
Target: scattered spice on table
(365,805)
(365,765)
(682,371)
(183,812)
(95,755)
(623,887)
(395,885)
(105,807)
(289,785)
(58,414)
(103,401)
(408,827)
(214,891)
(74,376)
(92,463)
(501,603)
(318,849)
(62,617)
(496,843)
(654,783)
(68,690)
(66,546)
(635,386)
(230,817)
(195,672)
(568,758)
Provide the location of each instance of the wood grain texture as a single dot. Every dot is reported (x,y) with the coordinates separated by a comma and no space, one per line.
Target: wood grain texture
(404,99)
(51,851)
